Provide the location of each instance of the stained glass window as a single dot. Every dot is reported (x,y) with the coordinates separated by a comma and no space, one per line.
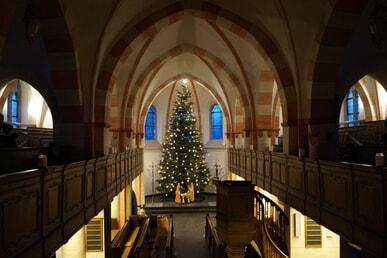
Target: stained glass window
(353,106)
(216,122)
(150,124)
(13,108)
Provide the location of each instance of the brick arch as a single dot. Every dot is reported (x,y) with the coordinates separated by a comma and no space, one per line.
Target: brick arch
(151,25)
(322,72)
(69,111)
(371,109)
(208,58)
(64,74)
(366,102)
(8,89)
(143,112)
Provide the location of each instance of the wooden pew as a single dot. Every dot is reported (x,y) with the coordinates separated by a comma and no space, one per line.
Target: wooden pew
(126,238)
(156,238)
(141,250)
(128,246)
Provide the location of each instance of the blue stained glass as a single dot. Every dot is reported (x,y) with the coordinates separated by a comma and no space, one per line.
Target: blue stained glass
(349,95)
(353,106)
(216,123)
(150,124)
(350,107)
(14,108)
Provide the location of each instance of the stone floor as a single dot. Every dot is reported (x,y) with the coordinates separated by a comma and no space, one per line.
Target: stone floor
(189,223)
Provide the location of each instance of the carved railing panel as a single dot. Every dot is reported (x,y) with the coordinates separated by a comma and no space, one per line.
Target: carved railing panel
(111,170)
(52,190)
(296,184)
(279,171)
(73,189)
(260,169)
(267,172)
(349,199)
(254,167)
(89,182)
(337,197)
(312,188)
(41,209)
(21,211)
(248,165)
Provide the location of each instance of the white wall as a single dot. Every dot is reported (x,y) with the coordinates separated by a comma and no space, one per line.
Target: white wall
(330,241)
(33,108)
(76,246)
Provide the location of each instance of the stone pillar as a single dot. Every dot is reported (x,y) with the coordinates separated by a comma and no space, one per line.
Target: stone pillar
(323,141)
(107,230)
(140,140)
(235,222)
(290,138)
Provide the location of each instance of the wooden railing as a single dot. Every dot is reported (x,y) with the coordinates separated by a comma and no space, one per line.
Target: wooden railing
(271,228)
(349,199)
(42,209)
(214,244)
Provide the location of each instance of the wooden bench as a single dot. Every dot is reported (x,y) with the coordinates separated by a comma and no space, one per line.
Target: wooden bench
(126,238)
(156,238)
(127,249)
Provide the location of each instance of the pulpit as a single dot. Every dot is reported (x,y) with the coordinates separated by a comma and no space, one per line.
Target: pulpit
(235,222)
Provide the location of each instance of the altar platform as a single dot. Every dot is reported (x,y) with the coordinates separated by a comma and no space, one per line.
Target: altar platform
(155,204)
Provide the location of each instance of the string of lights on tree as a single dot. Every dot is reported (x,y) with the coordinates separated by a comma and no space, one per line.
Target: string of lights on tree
(183,156)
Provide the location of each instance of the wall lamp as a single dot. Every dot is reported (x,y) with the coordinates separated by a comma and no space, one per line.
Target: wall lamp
(31,23)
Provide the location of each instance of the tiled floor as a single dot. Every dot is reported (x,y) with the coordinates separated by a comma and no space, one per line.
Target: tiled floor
(189,224)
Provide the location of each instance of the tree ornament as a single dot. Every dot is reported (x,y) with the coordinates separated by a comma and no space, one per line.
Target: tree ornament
(182,149)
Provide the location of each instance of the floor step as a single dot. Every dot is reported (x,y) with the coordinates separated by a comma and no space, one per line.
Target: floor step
(156,205)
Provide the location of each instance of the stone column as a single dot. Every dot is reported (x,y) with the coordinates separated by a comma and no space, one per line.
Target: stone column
(290,138)
(235,222)
(323,141)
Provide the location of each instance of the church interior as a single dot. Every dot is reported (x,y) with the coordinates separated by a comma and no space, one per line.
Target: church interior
(290,103)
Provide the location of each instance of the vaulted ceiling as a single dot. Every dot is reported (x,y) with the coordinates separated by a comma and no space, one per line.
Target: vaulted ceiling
(110,59)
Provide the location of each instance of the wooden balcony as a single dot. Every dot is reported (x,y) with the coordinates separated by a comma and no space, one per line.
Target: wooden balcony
(349,199)
(41,210)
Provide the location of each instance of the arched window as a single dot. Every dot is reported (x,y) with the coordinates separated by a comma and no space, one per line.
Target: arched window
(13,108)
(150,124)
(353,106)
(216,123)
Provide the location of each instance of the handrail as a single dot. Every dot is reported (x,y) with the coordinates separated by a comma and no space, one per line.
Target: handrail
(270,248)
(60,199)
(140,249)
(307,185)
(214,243)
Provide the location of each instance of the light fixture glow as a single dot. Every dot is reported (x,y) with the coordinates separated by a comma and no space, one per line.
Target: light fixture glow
(185,81)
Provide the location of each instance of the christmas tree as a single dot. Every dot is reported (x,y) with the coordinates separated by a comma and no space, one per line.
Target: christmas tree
(182,155)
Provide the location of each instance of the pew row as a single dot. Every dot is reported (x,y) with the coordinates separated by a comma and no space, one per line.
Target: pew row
(156,240)
(124,240)
(144,236)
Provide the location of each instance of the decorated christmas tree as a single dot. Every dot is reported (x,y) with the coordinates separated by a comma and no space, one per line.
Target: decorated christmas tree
(183,160)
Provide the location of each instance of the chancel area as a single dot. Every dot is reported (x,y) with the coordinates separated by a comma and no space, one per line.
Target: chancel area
(193,128)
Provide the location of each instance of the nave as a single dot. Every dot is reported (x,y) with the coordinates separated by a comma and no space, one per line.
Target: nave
(189,224)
